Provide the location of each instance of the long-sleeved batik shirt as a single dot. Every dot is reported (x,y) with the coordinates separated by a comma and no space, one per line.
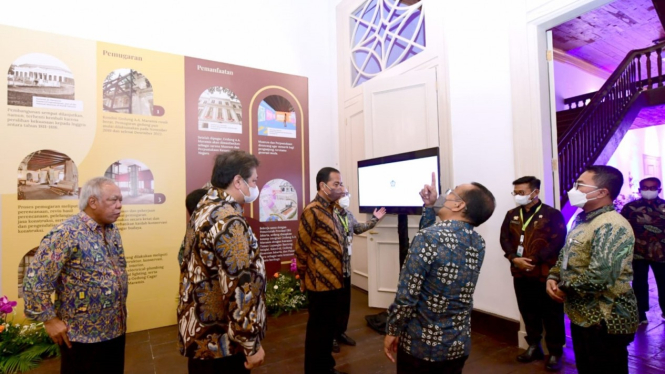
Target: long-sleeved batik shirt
(352,226)
(84,264)
(222,308)
(594,270)
(647,217)
(432,309)
(319,246)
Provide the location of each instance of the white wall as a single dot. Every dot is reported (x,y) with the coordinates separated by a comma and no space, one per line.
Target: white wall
(572,81)
(482,131)
(293,37)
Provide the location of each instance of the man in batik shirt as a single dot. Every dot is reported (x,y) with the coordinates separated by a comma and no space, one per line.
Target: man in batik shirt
(83,262)
(222,311)
(647,217)
(429,324)
(593,273)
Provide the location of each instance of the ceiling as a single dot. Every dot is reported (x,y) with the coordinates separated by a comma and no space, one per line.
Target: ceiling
(45,158)
(605,35)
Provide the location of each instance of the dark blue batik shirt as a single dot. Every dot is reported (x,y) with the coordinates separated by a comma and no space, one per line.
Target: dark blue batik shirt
(432,309)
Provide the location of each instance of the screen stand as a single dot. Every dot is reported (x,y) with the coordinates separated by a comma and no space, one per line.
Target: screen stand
(403,235)
(378,321)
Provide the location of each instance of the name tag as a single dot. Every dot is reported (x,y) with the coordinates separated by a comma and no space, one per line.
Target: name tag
(564,263)
(520,250)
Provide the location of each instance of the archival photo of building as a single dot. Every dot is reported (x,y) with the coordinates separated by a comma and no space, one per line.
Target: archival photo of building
(220,111)
(278,201)
(127,91)
(47,175)
(134,179)
(276,117)
(38,75)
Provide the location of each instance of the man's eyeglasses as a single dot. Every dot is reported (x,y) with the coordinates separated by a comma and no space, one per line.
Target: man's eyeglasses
(651,188)
(577,184)
(450,191)
(520,193)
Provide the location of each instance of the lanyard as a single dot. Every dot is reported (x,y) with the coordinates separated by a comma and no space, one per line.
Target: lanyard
(345,222)
(525,224)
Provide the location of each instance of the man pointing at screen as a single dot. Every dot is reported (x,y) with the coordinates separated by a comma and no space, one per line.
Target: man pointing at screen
(429,324)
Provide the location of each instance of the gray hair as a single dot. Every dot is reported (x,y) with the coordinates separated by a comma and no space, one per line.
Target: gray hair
(91,188)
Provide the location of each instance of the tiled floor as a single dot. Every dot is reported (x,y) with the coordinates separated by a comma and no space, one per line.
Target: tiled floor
(154,351)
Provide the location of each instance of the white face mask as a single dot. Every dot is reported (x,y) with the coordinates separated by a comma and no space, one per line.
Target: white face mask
(253,193)
(344,201)
(649,195)
(578,198)
(523,199)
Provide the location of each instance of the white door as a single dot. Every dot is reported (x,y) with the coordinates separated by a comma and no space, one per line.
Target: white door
(400,116)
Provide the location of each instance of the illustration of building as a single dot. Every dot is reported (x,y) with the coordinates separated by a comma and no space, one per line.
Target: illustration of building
(135,180)
(127,91)
(220,111)
(47,175)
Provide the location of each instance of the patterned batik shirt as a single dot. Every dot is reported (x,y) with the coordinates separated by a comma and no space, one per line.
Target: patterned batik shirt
(647,217)
(319,246)
(432,309)
(594,270)
(88,275)
(222,308)
(352,226)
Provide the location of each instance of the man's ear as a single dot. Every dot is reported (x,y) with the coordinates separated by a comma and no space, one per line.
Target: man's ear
(92,202)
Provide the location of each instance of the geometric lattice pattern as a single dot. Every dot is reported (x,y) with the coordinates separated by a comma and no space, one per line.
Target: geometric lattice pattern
(384,33)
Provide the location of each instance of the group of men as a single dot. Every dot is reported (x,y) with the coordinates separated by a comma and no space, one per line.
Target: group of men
(585,274)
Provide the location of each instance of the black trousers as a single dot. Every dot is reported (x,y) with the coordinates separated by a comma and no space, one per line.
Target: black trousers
(641,285)
(321,326)
(227,365)
(344,308)
(107,357)
(596,351)
(538,309)
(407,364)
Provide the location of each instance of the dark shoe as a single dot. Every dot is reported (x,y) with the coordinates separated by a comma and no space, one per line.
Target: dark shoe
(344,339)
(534,352)
(335,348)
(553,363)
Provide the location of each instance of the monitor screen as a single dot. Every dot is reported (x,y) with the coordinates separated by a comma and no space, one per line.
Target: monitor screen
(394,182)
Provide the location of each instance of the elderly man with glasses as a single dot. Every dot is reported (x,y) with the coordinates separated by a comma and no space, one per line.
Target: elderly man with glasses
(429,324)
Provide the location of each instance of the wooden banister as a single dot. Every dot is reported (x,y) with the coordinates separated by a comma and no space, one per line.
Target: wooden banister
(588,135)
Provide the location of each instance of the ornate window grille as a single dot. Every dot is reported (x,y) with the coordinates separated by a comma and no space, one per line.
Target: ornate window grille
(384,33)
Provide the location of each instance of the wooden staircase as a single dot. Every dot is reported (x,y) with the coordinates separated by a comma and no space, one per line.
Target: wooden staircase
(597,127)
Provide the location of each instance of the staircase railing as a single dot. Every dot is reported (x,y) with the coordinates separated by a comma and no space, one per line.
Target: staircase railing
(586,138)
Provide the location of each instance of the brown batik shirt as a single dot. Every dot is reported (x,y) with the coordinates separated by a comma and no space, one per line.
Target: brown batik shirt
(222,310)
(319,246)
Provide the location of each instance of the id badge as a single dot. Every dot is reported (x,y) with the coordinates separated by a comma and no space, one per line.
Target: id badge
(520,250)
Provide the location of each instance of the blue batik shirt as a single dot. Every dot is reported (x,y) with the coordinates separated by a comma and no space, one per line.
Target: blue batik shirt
(432,309)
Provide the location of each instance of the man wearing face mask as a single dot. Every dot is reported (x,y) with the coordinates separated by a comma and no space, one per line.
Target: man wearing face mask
(351,226)
(593,273)
(319,250)
(429,324)
(221,309)
(532,236)
(647,217)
